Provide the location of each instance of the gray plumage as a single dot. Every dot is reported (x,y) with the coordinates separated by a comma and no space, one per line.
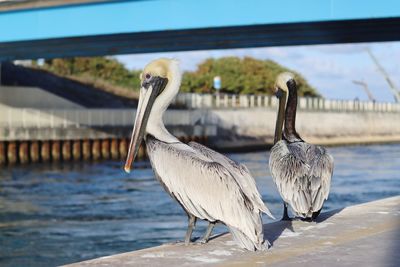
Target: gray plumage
(302,172)
(239,172)
(210,187)
(206,184)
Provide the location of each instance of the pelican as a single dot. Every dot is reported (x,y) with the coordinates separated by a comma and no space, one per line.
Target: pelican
(301,171)
(207,185)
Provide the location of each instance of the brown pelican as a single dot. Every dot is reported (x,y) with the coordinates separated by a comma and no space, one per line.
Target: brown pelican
(301,171)
(206,184)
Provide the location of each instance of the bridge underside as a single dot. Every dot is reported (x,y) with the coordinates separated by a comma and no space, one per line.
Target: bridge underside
(285,34)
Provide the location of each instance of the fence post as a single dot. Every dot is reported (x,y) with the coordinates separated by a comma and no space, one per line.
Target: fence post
(233,101)
(217,100)
(193,102)
(315,103)
(226,100)
(252,101)
(266,101)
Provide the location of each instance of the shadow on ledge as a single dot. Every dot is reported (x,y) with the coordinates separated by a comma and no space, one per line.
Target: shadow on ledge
(272,231)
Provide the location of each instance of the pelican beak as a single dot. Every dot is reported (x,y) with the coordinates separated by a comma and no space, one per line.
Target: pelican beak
(149,91)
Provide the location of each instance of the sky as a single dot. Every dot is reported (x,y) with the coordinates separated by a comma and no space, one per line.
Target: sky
(329,68)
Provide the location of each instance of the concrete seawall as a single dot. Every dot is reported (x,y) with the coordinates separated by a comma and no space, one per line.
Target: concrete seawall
(361,235)
(257,126)
(230,129)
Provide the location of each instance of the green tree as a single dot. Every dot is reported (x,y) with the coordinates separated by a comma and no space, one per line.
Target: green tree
(105,69)
(240,76)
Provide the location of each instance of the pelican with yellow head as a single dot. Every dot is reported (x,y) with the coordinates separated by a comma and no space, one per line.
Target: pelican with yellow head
(208,185)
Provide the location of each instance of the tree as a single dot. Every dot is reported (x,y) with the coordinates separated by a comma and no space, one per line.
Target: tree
(105,69)
(240,76)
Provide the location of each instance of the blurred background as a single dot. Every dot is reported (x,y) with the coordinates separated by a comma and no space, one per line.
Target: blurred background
(69,81)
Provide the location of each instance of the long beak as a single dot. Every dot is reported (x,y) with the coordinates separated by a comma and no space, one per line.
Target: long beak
(281,95)
(146,101)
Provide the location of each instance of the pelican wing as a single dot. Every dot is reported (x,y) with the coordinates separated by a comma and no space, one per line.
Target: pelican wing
(289,171)
(302,173)
(204,188)
(239,172)
(320,175)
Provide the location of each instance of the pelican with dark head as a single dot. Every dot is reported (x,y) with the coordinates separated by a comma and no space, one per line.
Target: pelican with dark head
(208,185)
(301,171)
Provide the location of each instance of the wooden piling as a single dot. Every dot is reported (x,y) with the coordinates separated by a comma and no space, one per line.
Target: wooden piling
(12,154)
(66,150)
(96,149)
(105,148)
(3,155)
(34,151)
(45,152)
(123,148)
(86,150)
(76,150)
(55,151)
(23,152)
(114,149)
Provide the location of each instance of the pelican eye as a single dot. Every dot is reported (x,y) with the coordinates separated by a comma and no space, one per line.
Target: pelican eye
(148,76)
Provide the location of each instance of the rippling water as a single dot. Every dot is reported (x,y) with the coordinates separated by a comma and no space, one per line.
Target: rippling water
(52,215)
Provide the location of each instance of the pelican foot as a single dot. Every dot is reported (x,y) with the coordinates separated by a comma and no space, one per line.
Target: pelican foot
(267,244)
(182,243)
(207,235)
(306,219)
(202,241)
(286,218)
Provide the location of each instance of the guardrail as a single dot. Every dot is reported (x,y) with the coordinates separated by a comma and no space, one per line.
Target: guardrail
(194,101)
(64,118)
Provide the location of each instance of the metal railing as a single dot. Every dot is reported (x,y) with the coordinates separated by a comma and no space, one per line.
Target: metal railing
(63,118)
(195,101)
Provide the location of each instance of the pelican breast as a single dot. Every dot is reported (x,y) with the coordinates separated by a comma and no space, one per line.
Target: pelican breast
(203,187)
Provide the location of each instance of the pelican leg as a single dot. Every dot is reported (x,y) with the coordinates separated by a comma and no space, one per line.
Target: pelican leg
(207,235)
(285,216)
(191,225)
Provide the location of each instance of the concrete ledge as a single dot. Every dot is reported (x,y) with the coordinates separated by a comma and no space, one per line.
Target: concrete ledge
(362,235)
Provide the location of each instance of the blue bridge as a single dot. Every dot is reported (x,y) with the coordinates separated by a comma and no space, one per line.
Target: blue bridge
(60,28)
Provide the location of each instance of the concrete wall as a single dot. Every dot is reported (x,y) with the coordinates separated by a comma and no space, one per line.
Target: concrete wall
(51,124)
(32,97)
(224,127)
(258,125)
(258,122)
